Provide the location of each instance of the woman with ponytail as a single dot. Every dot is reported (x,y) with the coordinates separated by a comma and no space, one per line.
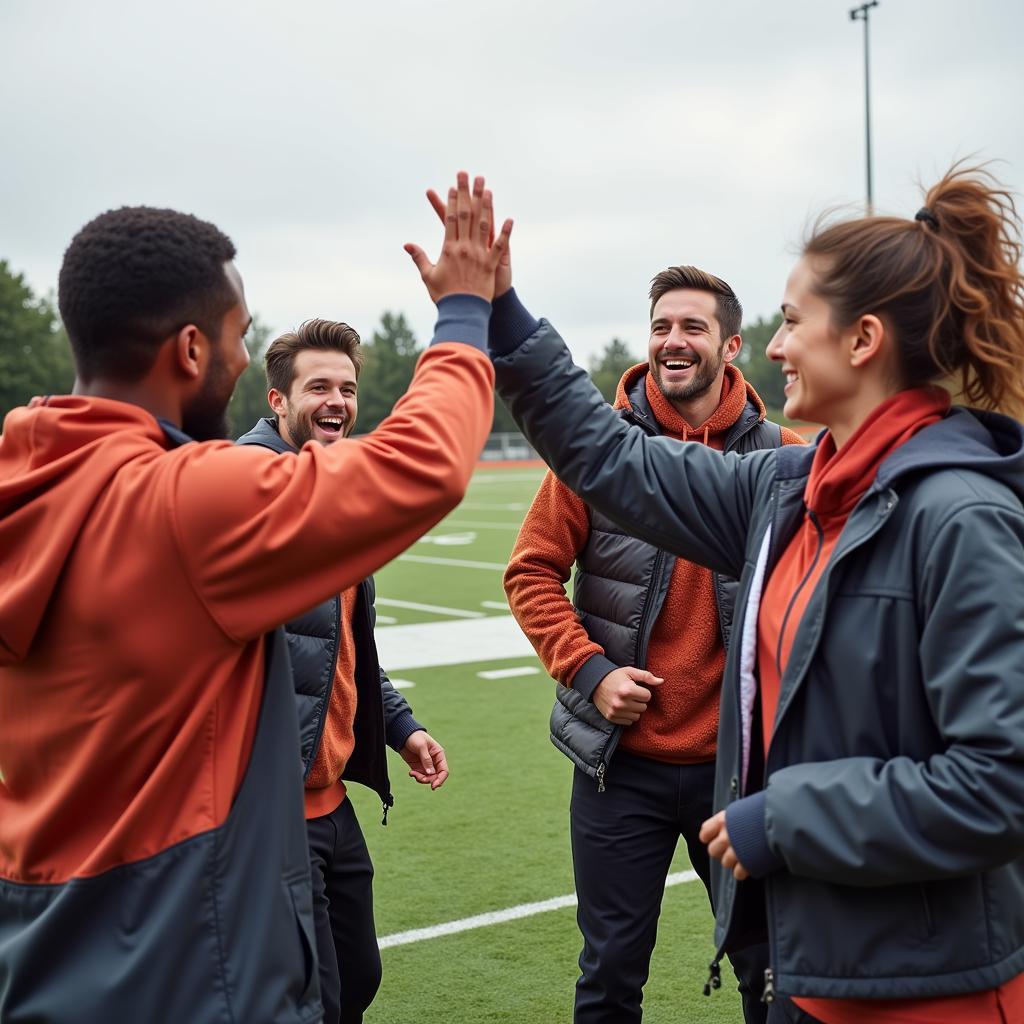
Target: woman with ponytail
(870,779)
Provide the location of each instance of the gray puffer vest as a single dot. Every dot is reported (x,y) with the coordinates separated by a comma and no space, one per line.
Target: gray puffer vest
(382,713)
(619,590)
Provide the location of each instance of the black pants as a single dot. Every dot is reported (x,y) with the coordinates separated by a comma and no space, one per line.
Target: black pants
(346,938)
(623,841)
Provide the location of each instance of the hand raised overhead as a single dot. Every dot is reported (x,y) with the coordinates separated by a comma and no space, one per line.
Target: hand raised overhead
(469,258)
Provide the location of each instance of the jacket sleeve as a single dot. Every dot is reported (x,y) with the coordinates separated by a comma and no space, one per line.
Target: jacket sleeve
(865,821)
(399,723)
(553,533)
(687,499)
(264,539)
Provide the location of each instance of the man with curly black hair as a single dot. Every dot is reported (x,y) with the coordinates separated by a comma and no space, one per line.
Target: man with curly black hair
(153,857)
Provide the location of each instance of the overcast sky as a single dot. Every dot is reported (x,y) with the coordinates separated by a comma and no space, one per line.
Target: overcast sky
(622,137)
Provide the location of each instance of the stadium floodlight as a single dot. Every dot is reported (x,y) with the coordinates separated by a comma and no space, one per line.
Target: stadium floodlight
(861,14)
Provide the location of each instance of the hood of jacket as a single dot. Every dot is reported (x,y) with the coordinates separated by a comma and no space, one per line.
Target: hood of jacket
(57,455)
(631,393)
(265,433)
(969,439)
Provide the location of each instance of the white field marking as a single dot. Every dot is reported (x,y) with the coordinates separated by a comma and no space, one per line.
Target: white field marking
(402,684)
(455,613)
(449,539)
(501,606)
(509,673)
(481,526)
(462,563)
(497,478)
(386,620)
(494,638)
(483,506)
(501,916)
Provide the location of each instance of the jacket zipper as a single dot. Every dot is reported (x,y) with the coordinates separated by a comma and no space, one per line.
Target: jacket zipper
(387,804)
(601,768)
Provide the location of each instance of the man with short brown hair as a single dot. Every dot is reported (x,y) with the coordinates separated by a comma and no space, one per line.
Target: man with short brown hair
(346,704)
(640,651)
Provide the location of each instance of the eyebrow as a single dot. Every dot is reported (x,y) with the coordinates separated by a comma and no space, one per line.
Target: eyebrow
(324,380)
(689,321)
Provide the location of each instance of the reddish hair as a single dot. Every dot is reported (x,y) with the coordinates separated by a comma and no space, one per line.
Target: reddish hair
(948,283)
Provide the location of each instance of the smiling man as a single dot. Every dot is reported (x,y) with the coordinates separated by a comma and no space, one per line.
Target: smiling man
(640,653)
(346,704)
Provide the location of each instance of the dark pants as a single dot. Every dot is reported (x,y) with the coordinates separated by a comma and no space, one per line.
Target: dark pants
(346,938)
(623,841)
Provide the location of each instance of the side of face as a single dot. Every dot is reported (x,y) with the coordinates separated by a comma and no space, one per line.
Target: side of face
(686,352)
(322,402)
(204,412)
(812,352)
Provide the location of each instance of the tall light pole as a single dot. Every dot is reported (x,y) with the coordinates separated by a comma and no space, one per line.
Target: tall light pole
(861,14)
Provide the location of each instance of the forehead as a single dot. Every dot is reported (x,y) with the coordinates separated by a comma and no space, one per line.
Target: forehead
(313,364)
(681,303)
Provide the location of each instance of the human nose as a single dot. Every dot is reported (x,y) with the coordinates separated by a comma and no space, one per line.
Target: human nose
(773,350)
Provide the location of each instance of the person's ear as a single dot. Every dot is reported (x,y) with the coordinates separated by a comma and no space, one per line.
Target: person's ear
(190,351)
(867,340)
(731,348)
(278,402)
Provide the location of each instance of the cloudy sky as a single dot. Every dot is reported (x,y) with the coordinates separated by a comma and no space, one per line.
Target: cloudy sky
(622,137)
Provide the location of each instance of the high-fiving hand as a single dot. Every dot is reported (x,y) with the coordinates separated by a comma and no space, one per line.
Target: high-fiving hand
(471,254)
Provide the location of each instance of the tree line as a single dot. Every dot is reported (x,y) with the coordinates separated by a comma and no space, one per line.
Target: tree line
(35,359)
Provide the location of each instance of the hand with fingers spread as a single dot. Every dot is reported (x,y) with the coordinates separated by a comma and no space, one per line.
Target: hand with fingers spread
(503,275)
(623,695)
(713,833)
(470,254)
(426,759)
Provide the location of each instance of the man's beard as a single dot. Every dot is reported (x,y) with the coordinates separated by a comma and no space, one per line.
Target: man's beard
(300,430)
(205,418)
(703,379)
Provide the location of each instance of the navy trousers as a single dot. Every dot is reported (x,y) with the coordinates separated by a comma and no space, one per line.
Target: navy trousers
(346,938)
(623,841)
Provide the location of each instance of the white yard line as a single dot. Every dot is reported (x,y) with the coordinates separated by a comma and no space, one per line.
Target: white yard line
(501,606)
(462,563)
(501,916)
(455,613)
(509,673)
(493,638)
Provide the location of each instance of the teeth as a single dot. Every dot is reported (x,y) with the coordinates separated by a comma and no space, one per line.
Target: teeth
(678,364)
(329,421)
(790,377)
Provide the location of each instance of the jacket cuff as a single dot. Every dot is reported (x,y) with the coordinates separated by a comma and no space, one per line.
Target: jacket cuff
(401,729)
(462,318)
(590,673)
(745,823)
(511,324)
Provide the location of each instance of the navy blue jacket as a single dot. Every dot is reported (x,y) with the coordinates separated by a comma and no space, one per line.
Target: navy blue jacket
(887,816)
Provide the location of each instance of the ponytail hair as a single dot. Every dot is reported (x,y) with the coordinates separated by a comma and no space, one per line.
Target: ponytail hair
(948,282)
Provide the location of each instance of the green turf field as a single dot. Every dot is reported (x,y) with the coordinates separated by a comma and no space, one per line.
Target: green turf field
(495,836)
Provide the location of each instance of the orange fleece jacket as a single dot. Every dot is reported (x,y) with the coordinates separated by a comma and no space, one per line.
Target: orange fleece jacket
(680,724)
(137,585)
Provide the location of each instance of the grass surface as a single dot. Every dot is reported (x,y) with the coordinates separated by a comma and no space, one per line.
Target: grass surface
(496,835)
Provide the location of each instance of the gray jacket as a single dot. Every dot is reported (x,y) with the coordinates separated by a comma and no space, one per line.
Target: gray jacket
(619,590)
(888,816)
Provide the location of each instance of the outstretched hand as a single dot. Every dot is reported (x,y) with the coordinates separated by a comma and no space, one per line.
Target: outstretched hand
(503,274)
(470,254)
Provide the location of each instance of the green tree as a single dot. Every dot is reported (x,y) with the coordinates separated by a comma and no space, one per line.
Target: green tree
(249,402)
(35,358)
(762,373)
(609,365)
(391,356)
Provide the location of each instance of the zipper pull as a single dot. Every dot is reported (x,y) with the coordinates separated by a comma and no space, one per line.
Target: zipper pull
(386,804)
(600,777)
(768,996)
(714,977)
